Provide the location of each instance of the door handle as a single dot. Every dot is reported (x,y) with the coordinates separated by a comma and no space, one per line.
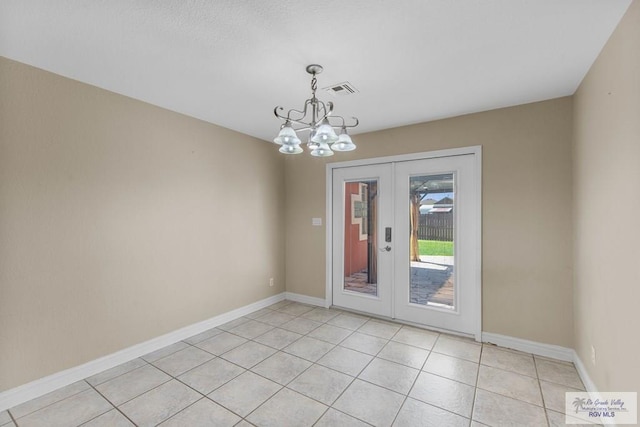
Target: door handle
(386,249)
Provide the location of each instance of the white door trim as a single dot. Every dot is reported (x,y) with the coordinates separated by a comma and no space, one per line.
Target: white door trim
(476,150)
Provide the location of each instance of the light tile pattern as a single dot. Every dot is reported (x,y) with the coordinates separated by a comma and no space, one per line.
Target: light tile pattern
(166,351)
(287,408)
(294,364)
(444,393)
(211,375)
(415,413)
(249,354)
(203,413)
(221,343)
(331,334)
(558,372)
(203,336)
(183,361)
(404,354)
(48,399)
(390,375)
(371,403)
(333,418)
(75,410)
(4,418)
(109,374)
(322,384)
(510,384)
(113,418)
(514,361)
(451,367)
(160,403)
(132,384)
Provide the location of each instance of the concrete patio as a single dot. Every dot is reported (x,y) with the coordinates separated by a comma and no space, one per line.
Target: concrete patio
(432,281)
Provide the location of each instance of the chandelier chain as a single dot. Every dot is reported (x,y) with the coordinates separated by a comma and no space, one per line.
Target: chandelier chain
(314,85)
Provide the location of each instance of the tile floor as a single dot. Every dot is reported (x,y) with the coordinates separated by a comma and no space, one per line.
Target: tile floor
(298,365)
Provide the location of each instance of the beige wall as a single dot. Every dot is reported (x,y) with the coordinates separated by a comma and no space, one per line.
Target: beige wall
(607,211)
(120,221)
(527,264)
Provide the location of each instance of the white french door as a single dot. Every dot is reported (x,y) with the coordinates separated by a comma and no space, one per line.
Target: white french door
(362,266)
(405,240)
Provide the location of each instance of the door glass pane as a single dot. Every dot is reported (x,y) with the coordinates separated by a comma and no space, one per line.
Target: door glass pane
(431,228)
(360,248)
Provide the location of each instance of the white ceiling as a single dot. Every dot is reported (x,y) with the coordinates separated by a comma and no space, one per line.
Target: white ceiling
(230,62)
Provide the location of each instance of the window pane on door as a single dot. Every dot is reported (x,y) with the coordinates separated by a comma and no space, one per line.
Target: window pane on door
(431,230)
(360,242)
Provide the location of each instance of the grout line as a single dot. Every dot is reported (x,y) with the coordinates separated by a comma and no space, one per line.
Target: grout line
(475,388)
(183,409)
(111,403)
(50,404)
(229,409)
(118,376)
(404,401)
(206,396)
(450,379)
(12,418)
(268,379)
(499,368)
(146,391)
(544,405)
(320,417)
(260,405)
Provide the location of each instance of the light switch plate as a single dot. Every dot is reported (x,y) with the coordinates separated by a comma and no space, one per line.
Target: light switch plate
(316,221)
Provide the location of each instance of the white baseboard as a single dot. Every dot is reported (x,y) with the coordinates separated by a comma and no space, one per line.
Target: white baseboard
(533,347)
(584,375)
(305,299)
(547,350)
(39,387)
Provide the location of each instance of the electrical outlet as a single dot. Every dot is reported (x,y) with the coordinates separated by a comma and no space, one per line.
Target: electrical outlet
(271,282)
(593,355)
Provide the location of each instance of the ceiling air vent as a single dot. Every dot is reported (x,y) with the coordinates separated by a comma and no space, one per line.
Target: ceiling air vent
(341,89)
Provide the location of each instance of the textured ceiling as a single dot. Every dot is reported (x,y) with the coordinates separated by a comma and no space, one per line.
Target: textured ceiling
(230,62)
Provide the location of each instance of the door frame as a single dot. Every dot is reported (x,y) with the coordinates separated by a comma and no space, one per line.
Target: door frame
(476,150)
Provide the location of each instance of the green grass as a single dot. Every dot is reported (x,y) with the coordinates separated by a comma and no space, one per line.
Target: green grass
(433,247)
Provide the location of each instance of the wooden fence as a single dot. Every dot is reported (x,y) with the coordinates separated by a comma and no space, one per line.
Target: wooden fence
(436,226)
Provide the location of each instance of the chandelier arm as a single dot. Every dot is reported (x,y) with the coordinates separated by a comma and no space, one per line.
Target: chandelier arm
(344,122)
(328,109)
(357,122)
(275,111)
(296,120)
(336,117)
(302,113)
(330,104)
(288,117)
(304,124)
(304,128)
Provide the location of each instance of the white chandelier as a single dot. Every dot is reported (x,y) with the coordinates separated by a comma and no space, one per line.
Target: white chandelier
(316,118)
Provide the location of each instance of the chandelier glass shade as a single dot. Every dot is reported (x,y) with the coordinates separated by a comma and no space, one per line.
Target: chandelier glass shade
(344,143)
(316,118)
